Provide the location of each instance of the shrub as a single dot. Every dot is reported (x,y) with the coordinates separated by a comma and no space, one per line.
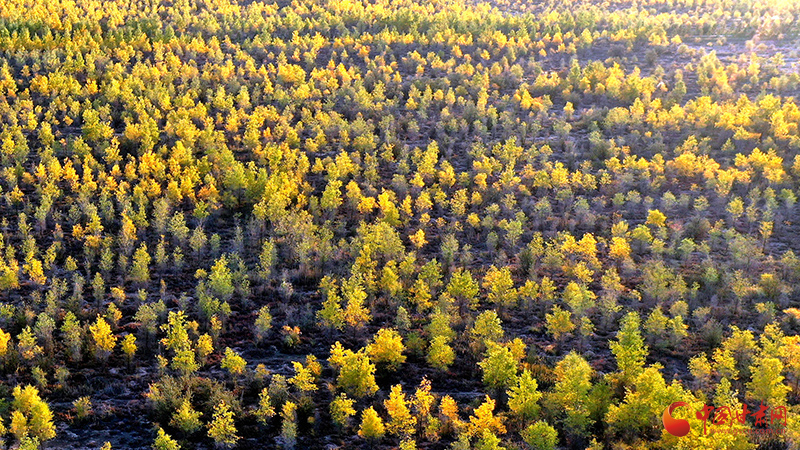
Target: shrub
(165,442)
(233,362)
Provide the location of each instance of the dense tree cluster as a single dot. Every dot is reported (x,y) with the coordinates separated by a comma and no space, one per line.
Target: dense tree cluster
(451,224)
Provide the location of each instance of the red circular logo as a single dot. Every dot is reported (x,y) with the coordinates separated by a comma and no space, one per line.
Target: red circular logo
(675,427)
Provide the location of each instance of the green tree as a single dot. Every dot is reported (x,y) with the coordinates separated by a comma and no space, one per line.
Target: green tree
(27,346)
(331,315)
(266,260)
(499,366)
(93,129)
(629,348)
(264,411)
(263,323)
(540,436)
(177,340)
(524,395)
(639,413)
(487,327)
(140,270)
(289,425)
(73,336)
(501,287)
(220,280)
(579,298)
(571,392)
(440,353)
(464,289)
(355,314)
(559,322)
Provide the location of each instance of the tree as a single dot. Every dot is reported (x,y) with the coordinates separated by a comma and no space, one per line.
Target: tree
(73,335)
(524,395)
(264,411)
(440,353)
(440,326)
(186,418)
(233,362)
(483,420)
(372,428)
(289,425)
(140,270)
(487,327)
(422,403)
(356,371)
(500,286)
(331,315)
(644,402)
(266,260)
(571,392)
(129,346)
(559,322)
(464,289)
(386,349)
(303,379)
(263,323)
(656,217)
(579,298)
(104,339)
(5,339)
(27,346)
(766,383)
(499,366)
(355,314)
(540,436)
(222,428)
(341,409)
(31,416)
(619,248)
(401,421)
(220,280)
(93,129)
(488,441)
(629,348)
(177,340)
